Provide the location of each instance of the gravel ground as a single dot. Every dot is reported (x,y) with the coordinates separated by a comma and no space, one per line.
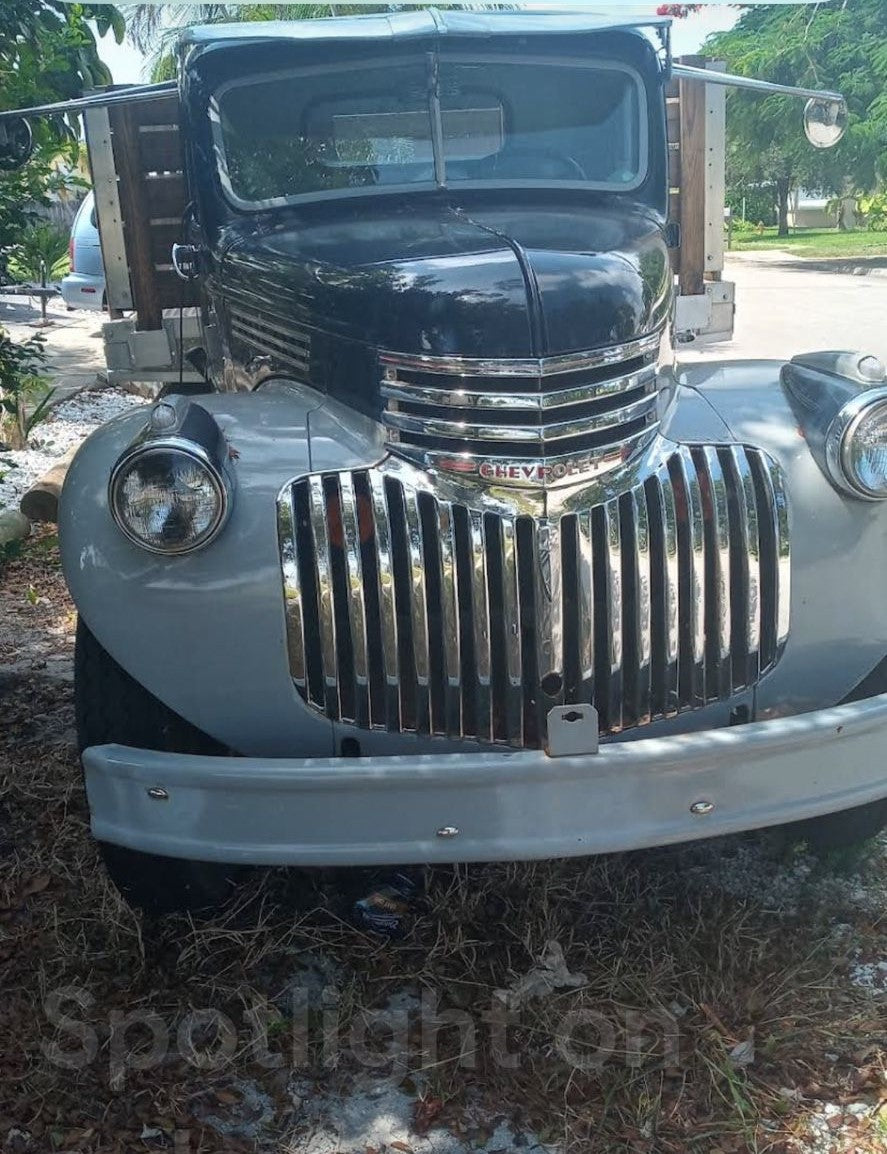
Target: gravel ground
(68,423)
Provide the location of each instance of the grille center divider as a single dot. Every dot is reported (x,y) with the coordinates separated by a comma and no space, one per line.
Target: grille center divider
(442,607)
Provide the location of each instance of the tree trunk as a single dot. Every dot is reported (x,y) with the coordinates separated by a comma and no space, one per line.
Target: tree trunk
(782,191)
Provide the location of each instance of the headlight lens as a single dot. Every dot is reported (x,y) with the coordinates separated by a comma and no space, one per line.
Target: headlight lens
(856,446)
(169,498)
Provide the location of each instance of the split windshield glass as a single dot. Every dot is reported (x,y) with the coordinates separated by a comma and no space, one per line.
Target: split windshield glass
(467,122)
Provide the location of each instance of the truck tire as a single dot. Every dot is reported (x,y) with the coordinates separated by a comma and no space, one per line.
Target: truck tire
(845,830)
(110,706)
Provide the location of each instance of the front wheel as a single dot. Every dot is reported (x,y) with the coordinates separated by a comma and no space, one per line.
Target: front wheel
(111,707)
(163,885)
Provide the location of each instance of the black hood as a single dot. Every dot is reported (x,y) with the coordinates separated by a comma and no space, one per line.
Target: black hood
(440,280)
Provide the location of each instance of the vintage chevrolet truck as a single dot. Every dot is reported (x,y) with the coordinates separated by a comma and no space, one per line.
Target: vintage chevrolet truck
(431,550)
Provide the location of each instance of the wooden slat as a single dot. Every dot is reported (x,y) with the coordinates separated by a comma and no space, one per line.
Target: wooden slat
(673,121)
(162,238)
(163,110)
(171,291)
(674,168)
(160,147)
(165,195)
(692,183)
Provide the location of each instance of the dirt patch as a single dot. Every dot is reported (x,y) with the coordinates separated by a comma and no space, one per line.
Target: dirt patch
(708,998)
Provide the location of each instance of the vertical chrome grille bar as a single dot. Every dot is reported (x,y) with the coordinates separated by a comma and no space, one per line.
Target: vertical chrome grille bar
(514,698)
(450,616)
(325,607)
(721,587)
(783,557)
(750,553)
(356,605)
(418,609)
(778,529)
(671,591)
(549,607)
(480,616)
(387,610)
(292,590)
(612,567)
(643,609)
(695,693)
(585,581)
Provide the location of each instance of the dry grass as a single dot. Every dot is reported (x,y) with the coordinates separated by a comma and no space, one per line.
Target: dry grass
(685,955)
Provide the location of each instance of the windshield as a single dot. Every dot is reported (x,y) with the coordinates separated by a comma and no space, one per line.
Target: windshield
(431,121)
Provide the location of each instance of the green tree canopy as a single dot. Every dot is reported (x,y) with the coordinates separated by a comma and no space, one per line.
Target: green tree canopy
(841,47)
(48,52)
(154,30)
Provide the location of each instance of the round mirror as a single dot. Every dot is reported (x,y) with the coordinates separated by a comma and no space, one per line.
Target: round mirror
(825,121)
(16,142)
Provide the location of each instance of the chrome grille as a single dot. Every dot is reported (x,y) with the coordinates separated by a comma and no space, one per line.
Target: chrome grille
(543,409)
(413,608)
(266,335)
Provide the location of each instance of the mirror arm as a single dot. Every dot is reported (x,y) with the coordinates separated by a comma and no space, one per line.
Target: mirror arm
(690,72)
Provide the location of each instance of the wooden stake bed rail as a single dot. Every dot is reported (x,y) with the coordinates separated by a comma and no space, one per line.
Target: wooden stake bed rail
(148,161)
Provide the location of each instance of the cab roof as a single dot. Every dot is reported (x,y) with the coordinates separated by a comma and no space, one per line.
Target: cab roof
(425,24)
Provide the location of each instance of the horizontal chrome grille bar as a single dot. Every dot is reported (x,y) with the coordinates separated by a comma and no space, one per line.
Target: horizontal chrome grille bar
(538,434)
(553,399)
(526,367)
(410,609)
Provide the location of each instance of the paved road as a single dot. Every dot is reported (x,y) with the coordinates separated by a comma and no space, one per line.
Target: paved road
(73,340)
(784,307)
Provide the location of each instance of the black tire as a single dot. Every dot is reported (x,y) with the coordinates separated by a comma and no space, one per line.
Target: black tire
(110,706)
(848,829)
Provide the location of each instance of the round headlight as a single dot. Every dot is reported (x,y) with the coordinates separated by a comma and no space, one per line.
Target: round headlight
(169,497)
(856,446)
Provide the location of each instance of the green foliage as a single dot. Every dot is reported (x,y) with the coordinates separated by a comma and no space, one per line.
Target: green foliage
(21,384)
(154,30)
(873,210)
(41,243)
(838,47)
(48,52)
(760,203)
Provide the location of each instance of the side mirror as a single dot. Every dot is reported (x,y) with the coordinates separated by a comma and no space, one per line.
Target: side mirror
(825,122)
(16,142)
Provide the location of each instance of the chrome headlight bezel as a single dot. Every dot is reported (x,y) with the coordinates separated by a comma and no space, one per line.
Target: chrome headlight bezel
(839,440)
(188,431)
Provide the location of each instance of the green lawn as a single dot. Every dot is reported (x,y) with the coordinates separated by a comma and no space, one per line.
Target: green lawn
(815,242)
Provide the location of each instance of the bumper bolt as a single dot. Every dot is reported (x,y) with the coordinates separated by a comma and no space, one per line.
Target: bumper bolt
(701,808)
(157,793)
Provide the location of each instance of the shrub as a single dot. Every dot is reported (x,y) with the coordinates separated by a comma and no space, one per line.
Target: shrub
(40,242)
(21,385)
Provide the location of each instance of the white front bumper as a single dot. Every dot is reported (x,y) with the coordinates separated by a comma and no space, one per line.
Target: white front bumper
(489,806)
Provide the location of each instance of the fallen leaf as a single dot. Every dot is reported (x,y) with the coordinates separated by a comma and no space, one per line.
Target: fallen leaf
(402,1146)
(427,1109)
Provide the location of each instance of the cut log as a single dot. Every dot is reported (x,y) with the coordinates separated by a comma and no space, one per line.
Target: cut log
(41,502)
